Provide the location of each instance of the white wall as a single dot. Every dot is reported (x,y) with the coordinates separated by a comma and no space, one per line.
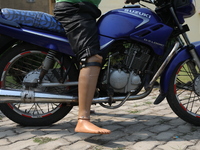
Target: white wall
(107,5)
(193,22)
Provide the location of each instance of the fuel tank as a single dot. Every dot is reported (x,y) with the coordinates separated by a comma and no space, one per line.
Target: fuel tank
(122,22)
(139,24)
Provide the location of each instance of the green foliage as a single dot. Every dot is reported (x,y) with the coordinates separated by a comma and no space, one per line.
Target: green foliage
(43,140)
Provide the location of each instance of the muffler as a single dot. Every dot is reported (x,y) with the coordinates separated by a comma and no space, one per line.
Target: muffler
(28,96)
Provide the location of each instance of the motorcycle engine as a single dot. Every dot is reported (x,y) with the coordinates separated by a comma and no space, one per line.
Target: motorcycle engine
(126,68)
(123,82)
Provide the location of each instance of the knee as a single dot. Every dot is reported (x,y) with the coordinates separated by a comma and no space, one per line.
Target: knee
(95,58)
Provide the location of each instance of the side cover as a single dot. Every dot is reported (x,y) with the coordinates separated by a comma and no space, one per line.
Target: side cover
(34,27)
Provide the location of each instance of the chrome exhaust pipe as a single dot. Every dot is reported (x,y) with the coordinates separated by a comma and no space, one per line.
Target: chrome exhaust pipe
(17,96)
(26,96)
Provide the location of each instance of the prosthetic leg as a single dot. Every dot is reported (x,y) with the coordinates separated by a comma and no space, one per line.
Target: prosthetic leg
(87,84)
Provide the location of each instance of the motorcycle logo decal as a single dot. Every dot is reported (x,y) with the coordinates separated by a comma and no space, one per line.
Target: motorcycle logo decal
(144,16)
(153,42)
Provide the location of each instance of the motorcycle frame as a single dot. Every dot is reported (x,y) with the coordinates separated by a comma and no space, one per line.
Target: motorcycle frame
(59,42)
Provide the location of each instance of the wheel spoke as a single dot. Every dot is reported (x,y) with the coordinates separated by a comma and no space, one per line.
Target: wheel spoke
(20,65)
(14,76)
(185,93)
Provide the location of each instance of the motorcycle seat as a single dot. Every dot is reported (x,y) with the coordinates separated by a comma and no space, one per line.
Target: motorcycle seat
(34,19)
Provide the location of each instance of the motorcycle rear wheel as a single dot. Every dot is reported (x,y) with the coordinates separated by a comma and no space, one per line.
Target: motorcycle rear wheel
(15,65)
(184,92)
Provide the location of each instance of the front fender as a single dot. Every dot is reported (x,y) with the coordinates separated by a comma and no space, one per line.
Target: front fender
(181,56)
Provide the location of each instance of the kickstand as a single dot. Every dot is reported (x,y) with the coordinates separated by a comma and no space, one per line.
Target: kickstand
(110,93)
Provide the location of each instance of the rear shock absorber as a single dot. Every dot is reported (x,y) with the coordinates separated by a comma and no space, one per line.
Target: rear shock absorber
(47,64)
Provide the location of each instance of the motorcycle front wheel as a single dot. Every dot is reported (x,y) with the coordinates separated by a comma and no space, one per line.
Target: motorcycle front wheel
(22,62)
(184,92)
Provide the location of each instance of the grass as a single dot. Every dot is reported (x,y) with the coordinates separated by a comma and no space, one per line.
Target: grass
(148,103)
(101,148)
(134,111)
(43,140)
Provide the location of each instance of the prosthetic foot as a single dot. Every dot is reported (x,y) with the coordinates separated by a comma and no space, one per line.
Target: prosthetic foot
(87,84)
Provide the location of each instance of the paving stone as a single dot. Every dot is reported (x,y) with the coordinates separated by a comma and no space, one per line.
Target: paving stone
(194,147)
(152,122)
(52,145)
(159,128)
(144,145)
(134,128)
(19,137)
(176,145)
(183,129)
(80,145)
(113,127)
(127,123)
(136,125)
(191,136)
(163,136)
(4,141)
(121,143)
(24,129)
(177,121)
(72,138)
(57,134)
(113,136)
(7,133)
(139,136)
(19,145)
(171,115)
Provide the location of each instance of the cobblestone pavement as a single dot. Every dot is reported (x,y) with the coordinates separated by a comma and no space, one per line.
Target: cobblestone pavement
(138,125)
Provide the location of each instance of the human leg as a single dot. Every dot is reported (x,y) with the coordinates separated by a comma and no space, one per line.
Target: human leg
(83,37)
(87,84)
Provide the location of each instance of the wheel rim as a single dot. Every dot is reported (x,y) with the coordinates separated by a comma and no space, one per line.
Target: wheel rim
(184,89)
(12,78)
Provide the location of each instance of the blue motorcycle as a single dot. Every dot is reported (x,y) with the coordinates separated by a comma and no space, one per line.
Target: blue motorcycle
(141,47)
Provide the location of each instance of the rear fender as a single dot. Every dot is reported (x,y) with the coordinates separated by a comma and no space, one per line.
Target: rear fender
(180,57)
(6,42)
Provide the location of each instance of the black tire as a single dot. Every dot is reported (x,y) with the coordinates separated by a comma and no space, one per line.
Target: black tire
(184,92)
(15,64)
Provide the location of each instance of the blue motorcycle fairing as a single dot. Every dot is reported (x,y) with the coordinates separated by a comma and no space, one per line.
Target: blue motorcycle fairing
(181,56)
(122,22)
(139,24)
(155,36)
(105,42)
(46,39)
(184,9)
(40,29)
